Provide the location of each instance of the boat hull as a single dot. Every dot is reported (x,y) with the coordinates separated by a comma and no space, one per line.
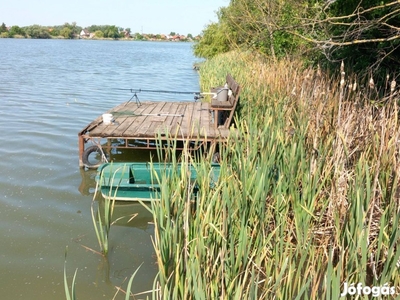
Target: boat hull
(140,181)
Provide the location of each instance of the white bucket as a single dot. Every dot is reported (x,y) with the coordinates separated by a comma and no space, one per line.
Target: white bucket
(222,94)
(107,118)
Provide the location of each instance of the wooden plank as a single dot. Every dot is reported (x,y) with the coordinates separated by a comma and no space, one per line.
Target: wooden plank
(137,121)
(142,130)
(229,120)
(152,129)
(195,122)
(164,112)
(92,125)
(153,116)
(167,110)
(165,128)
(176,121)
(228,105)
(130,116)
(97,127)
(197,127)
(187,119)
(206,129)
(123,117)
(193,127)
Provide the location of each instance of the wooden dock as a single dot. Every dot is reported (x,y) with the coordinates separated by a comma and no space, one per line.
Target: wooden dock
(142,124)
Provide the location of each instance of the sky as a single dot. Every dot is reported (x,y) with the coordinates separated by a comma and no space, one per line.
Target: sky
(143,16)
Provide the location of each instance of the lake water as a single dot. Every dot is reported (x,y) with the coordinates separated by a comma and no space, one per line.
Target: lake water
(49,91)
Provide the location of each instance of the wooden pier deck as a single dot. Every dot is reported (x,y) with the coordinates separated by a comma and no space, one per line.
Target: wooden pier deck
(141,124)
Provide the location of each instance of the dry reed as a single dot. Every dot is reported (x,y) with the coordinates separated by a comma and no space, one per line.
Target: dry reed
(307,197)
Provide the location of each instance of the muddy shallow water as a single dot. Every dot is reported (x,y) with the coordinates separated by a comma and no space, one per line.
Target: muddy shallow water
(49,90)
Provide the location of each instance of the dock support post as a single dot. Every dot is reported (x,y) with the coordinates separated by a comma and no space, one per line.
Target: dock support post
(81,148)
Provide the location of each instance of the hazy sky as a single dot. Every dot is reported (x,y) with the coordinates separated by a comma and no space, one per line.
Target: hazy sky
(143,16)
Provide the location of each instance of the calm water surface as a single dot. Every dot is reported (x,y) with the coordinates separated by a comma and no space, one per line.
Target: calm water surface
(49,91)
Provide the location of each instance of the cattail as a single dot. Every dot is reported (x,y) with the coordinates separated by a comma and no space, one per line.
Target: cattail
(392,86)
(354,86)
(319,73)
(371,83)
(342,74)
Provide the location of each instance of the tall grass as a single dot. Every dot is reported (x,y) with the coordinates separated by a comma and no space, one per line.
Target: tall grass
(307,197)
(103,218)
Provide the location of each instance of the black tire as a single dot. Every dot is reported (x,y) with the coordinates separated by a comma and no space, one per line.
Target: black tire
(85,157)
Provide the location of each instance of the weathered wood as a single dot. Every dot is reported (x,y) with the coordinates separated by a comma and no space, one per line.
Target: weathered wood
(151,120)
(134,120)
(229,105)
(223,104)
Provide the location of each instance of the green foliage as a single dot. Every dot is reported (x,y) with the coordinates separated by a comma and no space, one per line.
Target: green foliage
(69,295)
(379,22)
(138,36)
(107,30)
(214,41)
(75,30)
(363,33)
(55,32)
(66,33)
(112,32)
(99,34)
(258,25)
(16,30)
(37,32)
(3,28)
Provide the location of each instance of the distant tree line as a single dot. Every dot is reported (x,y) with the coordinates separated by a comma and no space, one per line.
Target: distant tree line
(72,30)
(41,32)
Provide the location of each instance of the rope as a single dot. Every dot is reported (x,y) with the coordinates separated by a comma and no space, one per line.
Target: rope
(103,156)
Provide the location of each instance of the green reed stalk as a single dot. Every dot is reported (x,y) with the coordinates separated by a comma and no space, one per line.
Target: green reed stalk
(128,289)
(102,221)
(69,295)
(302,204)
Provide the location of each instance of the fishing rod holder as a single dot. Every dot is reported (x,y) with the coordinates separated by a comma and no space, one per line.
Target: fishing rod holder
(197,95)
(138,103)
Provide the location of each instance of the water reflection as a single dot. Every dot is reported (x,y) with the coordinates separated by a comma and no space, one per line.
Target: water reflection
(50,95)
(88,183)
(129,214)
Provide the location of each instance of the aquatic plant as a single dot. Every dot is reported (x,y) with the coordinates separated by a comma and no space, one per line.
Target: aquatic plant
(102,220)
(70,295)
(307,197)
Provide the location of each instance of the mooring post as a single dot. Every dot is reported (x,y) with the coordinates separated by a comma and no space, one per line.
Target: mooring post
(81,148)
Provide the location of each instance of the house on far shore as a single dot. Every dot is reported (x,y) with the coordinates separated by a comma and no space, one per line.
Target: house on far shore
(84,33)
(126,34)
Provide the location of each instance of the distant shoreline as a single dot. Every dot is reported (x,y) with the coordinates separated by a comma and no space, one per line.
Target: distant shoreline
(99,39)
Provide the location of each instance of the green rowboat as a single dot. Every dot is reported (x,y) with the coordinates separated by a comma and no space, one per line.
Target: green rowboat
(137,182)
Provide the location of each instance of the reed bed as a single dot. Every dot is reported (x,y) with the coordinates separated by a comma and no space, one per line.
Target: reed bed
(307,198)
